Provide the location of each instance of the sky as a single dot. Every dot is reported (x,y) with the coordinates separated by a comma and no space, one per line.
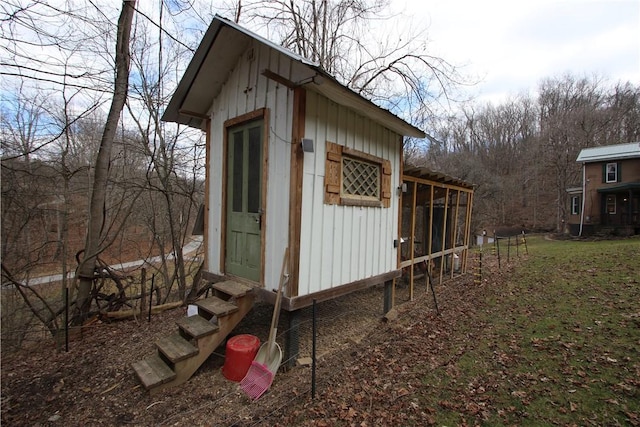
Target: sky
(510,46)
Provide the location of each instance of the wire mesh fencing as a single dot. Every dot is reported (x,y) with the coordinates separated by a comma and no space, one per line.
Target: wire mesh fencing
(327,334)
(345,329)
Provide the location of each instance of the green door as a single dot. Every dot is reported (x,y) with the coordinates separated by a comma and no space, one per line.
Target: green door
(244,215)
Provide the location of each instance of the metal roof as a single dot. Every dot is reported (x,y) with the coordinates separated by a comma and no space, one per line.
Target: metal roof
(221,46)
(428,174)
(574,190)
(609,152)
(629,186)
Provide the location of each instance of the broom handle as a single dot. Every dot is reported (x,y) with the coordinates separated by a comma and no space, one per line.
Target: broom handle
(276,308)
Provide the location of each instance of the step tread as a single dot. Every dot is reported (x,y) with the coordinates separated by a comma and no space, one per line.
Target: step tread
(216,306)
(232,288)
(197,326)
(152,371)
(176,348)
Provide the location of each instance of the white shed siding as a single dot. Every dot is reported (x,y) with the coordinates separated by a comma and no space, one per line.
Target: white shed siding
(342,244)
(245,91)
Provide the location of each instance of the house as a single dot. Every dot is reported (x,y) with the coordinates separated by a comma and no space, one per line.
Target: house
(609,198)
(297,164)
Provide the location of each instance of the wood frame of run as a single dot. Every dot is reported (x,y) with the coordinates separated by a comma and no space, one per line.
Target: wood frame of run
(422,194)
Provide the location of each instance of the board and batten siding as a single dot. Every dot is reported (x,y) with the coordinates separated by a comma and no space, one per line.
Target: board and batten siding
(247,90)
(342,244)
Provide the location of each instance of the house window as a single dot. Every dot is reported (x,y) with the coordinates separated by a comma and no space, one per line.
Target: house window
(611,172)
(575,205)
(356,178)
(611,205)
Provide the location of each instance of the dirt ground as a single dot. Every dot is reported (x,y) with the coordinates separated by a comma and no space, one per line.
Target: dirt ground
(362,358)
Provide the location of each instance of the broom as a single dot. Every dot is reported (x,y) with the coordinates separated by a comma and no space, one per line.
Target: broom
(266,363)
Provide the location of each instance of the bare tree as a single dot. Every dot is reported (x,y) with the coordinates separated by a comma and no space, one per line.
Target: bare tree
(361,44)
(96,219)
(570,119)
(521,153)
(623,114)
(171,184)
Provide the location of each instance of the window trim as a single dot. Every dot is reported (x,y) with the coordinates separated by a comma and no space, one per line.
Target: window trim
(575,205)
(374,167)
(615,172)
(333,179)
(613,199)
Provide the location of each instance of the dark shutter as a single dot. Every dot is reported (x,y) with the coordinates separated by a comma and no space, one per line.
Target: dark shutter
(619,172)
(604,172)
(332,173)
(386,183)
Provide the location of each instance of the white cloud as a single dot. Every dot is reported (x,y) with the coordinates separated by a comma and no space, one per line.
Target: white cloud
(513,45)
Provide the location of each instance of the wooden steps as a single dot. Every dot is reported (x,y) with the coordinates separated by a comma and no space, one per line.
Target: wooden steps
(234,289)
(179,355)
(196,326)
(175,348)
(153,370)
(215,306)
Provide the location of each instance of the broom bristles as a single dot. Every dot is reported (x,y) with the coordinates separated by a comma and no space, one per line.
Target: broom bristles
(257,381)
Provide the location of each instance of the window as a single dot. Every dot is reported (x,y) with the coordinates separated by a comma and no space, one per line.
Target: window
(356,178)
(575,205)
(611,172)
(611,204)
(360,179)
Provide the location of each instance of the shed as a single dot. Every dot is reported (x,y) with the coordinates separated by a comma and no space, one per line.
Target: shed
(296,163)
(332,201)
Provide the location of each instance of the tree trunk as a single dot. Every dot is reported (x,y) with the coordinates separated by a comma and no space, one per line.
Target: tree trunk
(97,211)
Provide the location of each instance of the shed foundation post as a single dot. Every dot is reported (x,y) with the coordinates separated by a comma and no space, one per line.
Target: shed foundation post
(388,299)
(292,348)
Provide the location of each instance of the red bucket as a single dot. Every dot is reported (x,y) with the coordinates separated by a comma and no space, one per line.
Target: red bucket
(241,350)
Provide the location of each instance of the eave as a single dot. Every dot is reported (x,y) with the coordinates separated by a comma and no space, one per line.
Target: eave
(218,53)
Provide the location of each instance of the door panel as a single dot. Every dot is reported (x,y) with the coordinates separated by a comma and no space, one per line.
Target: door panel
(244,193)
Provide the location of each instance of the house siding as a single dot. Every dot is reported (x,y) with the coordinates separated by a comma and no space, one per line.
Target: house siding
(342,244)
(630,172)
(247,90)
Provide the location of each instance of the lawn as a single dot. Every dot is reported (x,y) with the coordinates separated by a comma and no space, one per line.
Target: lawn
(558,342)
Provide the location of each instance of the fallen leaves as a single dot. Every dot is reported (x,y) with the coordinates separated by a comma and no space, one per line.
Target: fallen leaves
(477,363)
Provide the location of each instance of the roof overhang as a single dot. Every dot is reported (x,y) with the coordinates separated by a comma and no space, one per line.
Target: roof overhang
(332,89)
(219,50)
(629,186)
(218,53)
(609,152)
(574,190)
(429,175)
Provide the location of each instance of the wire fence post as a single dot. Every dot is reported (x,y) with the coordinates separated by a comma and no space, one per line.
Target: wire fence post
(143,291)
(153,279)
(66,319)
(313,350)
(388,300)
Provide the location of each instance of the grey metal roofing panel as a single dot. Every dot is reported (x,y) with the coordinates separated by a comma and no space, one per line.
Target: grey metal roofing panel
(574,190)
(192,97)
(609,152)
(428,174)
(341,94)
(269,43)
